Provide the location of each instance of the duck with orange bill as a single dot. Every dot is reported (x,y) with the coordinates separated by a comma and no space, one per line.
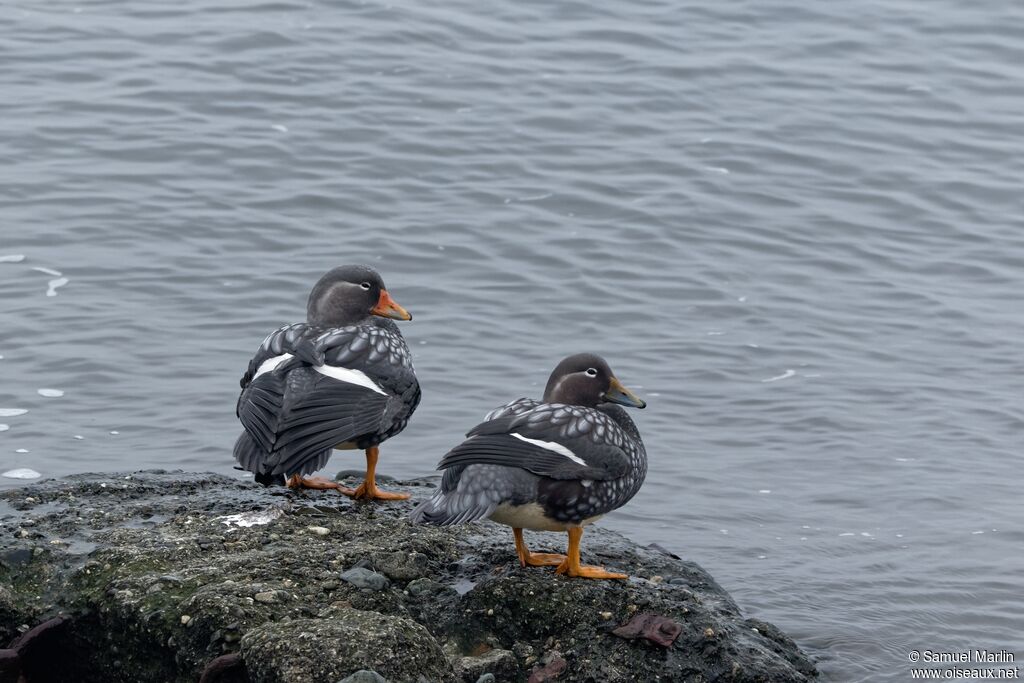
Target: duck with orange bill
(341,380)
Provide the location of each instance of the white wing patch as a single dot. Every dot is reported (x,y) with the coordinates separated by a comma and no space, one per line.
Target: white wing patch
(349,375)
(271,363)
(554,447)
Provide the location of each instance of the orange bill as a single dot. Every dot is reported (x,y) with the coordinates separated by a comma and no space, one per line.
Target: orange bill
(389,308)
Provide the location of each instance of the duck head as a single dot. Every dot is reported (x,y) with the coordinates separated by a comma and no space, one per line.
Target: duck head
(585,379)
(348,294)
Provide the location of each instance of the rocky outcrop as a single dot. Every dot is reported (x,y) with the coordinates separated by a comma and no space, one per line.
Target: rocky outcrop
(162,576)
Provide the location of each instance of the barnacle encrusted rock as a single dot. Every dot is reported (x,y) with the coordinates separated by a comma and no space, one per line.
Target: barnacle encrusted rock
(161,573)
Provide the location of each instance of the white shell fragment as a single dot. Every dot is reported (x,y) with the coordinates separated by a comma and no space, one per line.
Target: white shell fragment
(254,518)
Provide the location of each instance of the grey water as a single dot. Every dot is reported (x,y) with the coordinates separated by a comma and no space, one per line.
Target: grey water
(794,228)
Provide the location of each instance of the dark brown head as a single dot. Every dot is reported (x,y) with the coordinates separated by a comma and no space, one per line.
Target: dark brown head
(348,294)
(586,380)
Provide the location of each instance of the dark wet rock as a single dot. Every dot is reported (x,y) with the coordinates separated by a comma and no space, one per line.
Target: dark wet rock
(225,669)
(160,576)
(332,648)
(364,676)
(498,663)
(15,557)
(402,566)
(365,578)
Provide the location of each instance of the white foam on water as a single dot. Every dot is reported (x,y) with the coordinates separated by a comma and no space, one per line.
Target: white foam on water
(535,198)
(48,271)
(12,412)
(12,258)
(21,473)
(50,393)
(279,128)
(115,432)
(22,450)
(848,533)
(765,491)
(79,437)
(54,284)
(717,169)
(4,428)
(786,375)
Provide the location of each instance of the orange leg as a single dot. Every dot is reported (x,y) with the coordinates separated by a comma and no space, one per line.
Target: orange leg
(572,567)
(534,559)
(299,482)
(368,489)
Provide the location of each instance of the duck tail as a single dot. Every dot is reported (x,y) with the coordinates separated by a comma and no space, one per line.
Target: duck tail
(251,457)
(458,500)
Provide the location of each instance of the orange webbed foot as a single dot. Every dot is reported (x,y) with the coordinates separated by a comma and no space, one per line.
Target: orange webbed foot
(364,492)
(587,572)
(320,483)
(543,560)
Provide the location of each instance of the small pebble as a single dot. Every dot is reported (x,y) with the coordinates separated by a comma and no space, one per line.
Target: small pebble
(266,597)
(185,619)
(319,530)
(709,632)
(606,615)
(657,579)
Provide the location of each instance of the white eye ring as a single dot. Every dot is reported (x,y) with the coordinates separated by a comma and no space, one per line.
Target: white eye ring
(366,286)
(591,372)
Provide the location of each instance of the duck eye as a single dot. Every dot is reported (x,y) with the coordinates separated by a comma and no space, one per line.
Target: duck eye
(366,286)
(591,372)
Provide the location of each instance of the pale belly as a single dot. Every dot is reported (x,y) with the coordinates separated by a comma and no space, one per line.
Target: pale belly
(531,516)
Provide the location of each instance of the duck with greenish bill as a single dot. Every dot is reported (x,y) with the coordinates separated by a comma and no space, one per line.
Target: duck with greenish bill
(557,464)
